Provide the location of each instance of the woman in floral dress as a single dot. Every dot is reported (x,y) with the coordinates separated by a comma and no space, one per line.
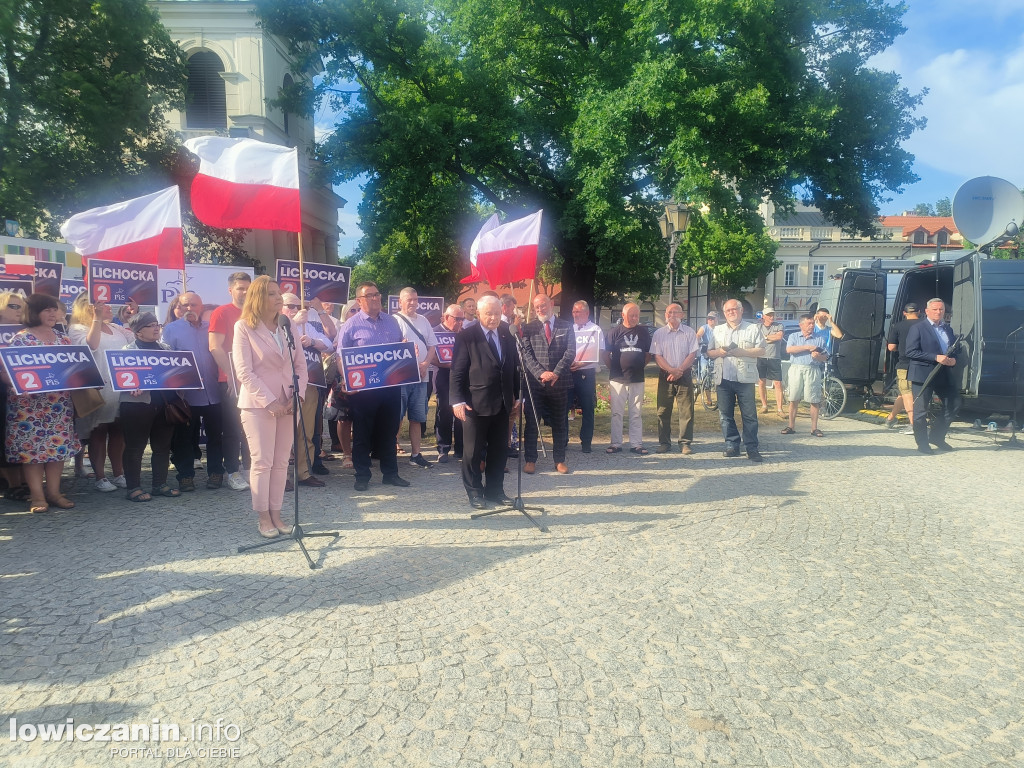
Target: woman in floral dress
(41,428)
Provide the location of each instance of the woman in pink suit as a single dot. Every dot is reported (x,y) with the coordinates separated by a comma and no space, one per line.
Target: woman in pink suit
(264,374)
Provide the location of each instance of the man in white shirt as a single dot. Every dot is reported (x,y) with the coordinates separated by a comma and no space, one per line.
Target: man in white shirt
(737,344)
(675,349)
(417,329)
(589,347)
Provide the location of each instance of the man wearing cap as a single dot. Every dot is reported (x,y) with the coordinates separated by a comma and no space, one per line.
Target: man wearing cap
(769,367)
(897,344)
(704,336)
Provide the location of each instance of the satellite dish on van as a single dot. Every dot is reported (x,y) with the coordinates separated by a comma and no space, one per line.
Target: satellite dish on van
(983,209)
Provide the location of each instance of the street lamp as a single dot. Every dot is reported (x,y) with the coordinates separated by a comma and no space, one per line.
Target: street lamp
(673,225)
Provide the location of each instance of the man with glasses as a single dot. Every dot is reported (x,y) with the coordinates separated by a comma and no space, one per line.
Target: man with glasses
(376,413)
(737,344)
(675,349)
(417,329)
(446,426)
(190,333)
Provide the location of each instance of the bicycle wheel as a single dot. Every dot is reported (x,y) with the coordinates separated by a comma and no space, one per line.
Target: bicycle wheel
(833,397)
(707,395)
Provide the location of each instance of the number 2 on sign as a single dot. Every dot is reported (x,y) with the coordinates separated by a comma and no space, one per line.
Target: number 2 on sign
(29,381)
(356,380)
(129,380)
(102,293)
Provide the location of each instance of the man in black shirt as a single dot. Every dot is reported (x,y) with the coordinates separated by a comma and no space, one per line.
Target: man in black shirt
(627,351)
(897,342)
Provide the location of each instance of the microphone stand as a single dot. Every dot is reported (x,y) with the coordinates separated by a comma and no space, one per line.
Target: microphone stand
(1016,390)
(517,504)
(297,534)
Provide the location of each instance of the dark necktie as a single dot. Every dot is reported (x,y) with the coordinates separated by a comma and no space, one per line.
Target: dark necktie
(547,331)
(494,345)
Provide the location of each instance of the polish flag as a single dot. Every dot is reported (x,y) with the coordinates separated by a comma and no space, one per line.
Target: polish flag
(20,264)
(246,184)
(505,253)
(143,230)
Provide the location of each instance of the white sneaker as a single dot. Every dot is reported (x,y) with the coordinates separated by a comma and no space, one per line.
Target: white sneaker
(236,482)
(197,464)
(120,482)
(907,431)
(105,485)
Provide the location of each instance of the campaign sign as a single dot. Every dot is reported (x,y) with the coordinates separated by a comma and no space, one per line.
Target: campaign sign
(50,368)
(431,307)
(445,346)
(587,346)
(315,367)
(48,276)
(22,285)
(7,332)
(70,288)
(379,365)
(327,282)
(115,282)
(152,369)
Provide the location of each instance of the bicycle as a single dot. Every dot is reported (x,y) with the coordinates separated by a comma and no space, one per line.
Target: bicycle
(833,394)
(703,373)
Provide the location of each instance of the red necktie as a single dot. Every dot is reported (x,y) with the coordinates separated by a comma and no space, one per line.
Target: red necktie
(547,331)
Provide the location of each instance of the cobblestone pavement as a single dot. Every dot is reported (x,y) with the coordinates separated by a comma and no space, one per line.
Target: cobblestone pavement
(846,603)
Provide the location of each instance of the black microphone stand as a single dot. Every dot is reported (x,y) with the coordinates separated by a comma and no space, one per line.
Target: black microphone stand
(297,534)
(517,504)
(1016,391)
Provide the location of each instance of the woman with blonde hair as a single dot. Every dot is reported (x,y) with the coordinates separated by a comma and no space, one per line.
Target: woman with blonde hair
(91,324)
(263,365)
(12,310)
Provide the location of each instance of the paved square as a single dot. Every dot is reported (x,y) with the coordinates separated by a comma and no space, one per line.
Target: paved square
(847,603)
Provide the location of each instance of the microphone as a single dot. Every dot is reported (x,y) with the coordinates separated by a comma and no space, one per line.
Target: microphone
(286,324)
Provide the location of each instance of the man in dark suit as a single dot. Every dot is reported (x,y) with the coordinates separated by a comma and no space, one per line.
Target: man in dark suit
(484,389)
(927,345)
(549,350)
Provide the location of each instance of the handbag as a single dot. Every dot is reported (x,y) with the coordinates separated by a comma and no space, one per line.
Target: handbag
(177,411)
(86,401)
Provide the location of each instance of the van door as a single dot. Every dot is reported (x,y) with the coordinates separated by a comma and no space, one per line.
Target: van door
(965,322)
(861,316)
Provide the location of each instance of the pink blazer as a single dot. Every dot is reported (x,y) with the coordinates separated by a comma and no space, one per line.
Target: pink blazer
(263,371)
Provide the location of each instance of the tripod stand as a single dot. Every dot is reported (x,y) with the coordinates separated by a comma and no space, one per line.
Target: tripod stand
(297,534)
(517,504)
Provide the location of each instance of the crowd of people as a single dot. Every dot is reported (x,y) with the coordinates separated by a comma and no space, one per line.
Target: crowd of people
(255,348)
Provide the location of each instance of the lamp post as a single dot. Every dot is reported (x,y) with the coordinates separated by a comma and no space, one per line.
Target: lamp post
(673,225)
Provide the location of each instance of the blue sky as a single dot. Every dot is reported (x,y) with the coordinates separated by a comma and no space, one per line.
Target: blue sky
(970,55)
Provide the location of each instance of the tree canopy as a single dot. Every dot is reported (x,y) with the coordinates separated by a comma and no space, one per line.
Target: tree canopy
(84,85)
(599,111)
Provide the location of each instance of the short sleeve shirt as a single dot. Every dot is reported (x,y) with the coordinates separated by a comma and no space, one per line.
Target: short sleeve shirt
(222,320)
(898,336)
(772,349)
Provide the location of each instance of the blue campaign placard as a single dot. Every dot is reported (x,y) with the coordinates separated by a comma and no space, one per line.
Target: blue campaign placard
(116,282)
(20,285)
(152,369)
(431,307)
(7,331)
(70,288)
(315,367)
(379,365)
(445,346)
(48,278)
(50,368)
(327,282)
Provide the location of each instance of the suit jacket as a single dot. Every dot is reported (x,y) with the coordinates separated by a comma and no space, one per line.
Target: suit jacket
(921,348)
(557,357)
(477,378)
(263,370)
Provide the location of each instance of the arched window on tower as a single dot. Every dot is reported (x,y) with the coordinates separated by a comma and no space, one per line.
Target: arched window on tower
(288,82)
(206,104)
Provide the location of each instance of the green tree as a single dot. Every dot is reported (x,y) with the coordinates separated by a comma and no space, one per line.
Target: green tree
(595,111)
(943,207)
(733,252)
(923,209)
(84,85)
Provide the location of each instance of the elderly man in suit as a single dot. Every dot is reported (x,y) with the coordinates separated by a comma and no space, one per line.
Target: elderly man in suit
(928,344)
(549,350)
(484,391)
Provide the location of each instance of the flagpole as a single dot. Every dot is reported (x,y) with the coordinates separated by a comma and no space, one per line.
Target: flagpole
(302,273)
(184,280)
(529,303)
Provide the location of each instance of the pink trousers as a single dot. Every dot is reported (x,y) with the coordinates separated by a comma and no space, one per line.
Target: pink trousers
(270,445)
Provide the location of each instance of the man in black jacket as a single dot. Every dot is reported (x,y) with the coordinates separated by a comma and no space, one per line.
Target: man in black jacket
(484,391)
(928,343)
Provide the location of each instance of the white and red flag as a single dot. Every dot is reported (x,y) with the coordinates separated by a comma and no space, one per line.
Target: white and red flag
(20,264)
(143,230)
(505,253)
(246,184)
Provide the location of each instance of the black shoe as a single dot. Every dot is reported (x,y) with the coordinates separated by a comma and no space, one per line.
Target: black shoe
(396,481)
(924,449)
(731,453)
(585,449)
(943,446)
(312,482)
(319,469)
(442,458)
(511,454)
(477,503)
(755,457)
(458,456)
(503,499)
(362,485)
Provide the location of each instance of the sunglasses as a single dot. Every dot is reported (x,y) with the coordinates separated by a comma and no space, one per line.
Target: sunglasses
(14,306)
(293,306)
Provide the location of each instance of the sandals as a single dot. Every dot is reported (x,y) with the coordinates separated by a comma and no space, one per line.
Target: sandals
(37,506)
(641,451)
(613,449)
(817,433)
(21,493)
(788,431)
(137,494)
(62,502)
(166,490)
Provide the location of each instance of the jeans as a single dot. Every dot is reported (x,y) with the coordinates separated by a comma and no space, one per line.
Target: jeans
(447,429)
(731,393)
(585,386)
(183,452)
